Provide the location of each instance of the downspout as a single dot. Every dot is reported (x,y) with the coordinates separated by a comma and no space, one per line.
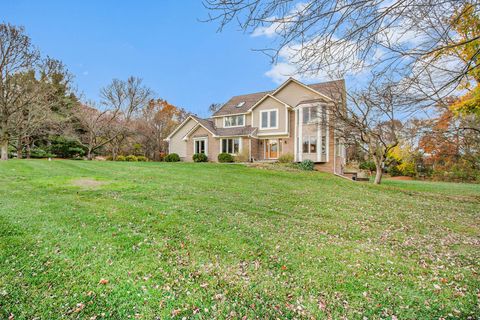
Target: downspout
(334,154)
(249,148)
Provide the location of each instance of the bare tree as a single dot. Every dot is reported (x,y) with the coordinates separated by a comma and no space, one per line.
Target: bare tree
(214,107)
(413,40)
(128,98)
(18,58)
(372,121)
(97,126)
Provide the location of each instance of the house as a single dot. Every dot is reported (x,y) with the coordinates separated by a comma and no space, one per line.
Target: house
(295,119)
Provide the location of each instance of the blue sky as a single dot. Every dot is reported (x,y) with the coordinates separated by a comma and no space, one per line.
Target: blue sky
(182,59)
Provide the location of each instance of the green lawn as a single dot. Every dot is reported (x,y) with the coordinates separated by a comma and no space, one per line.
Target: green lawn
(226,241)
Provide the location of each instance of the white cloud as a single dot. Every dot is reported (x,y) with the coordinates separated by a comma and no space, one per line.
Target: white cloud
(293,61)
(270,31)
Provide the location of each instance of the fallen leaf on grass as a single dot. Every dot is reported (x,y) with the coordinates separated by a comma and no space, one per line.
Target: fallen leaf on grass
(79,307)
(103,281)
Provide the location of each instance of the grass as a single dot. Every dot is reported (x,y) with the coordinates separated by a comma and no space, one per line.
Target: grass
(92,240)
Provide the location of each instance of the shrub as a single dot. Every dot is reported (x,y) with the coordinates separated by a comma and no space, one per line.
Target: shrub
(286,158)
(66,148)
(121,158)
(225,157)
(306,165)
(39,153)
(408,169)
(109,158)
(394,171)
(172,157)
(368,165)
(200,157)
(142,158)
(131,158)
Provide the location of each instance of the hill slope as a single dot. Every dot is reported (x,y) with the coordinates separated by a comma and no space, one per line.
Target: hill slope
(85,239)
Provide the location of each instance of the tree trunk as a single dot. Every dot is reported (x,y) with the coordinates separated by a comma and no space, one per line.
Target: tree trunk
(4,149)
(89,154)
(28,148)
(379,172)
(114,152)
(3,141)
(19,148)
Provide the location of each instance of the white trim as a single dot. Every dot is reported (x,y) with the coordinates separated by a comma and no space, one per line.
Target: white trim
(229,114)
(236,115)
(269,134)
(295,137)
(194,128)
(268,111)
(249,150)
(180,126)
(301,84)
(300,135)
(319,142)
(201,139)
(240,145)
(267,96)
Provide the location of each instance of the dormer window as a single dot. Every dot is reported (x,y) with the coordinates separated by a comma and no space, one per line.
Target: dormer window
(234,121)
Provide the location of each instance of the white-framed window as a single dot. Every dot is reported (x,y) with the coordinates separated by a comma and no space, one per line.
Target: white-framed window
(234,121)
(269,119)
(309,144)
(310,114)
(231,145)
(200,145)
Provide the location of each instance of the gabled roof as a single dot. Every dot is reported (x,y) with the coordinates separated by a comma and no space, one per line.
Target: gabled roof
(268,95)
(190,117)
(209,125)
(332,89)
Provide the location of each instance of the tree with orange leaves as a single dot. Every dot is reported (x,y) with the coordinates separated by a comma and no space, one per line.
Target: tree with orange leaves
(157,120)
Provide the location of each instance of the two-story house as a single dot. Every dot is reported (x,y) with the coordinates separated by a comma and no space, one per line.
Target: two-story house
(294,119)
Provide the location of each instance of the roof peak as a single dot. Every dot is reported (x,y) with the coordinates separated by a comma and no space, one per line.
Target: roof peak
(249,99)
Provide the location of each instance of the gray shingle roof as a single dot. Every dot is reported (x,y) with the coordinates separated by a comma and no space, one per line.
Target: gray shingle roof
(239,131)
(209,124)
(332,89)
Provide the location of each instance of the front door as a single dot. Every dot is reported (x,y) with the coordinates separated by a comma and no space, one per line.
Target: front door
(271,149)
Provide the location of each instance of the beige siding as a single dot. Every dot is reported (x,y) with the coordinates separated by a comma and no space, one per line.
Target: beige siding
(269,104)
(248,119)
(176,143)
(294,93)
